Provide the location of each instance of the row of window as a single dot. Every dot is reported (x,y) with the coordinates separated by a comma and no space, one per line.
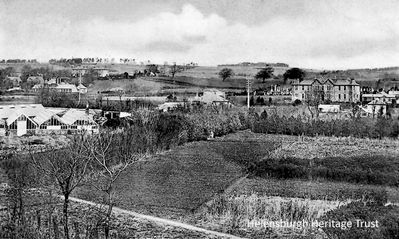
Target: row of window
(328,87)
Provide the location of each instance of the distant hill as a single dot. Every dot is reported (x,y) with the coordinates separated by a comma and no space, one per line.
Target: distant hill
(258,64)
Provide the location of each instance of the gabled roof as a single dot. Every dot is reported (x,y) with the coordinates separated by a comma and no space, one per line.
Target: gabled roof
(80,86)
(72,115)
(323,81)
(35,112)
(14,78)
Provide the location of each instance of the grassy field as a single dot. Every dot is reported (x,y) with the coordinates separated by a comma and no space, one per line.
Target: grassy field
(181,180)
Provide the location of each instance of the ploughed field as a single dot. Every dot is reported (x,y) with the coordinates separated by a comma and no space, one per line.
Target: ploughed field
(225,183)
(178,181)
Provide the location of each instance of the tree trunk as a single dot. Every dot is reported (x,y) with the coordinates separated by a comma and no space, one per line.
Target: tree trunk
(108,216)
(65,212)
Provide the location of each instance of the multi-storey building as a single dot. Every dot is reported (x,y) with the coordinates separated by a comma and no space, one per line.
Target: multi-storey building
(327,89)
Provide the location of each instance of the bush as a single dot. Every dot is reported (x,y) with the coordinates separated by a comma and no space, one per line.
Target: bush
(387,217)
(297,102)
(378,169)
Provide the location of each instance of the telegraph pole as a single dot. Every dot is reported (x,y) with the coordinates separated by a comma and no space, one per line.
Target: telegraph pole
(248,87)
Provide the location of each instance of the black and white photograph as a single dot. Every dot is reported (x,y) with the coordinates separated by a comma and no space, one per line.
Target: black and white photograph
(155,119)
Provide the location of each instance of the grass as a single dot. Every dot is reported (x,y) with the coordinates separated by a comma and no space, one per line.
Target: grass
(315,190)
(180,180)
(234,213)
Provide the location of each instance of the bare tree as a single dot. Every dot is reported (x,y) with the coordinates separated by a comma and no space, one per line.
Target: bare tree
(66,167)
(313,98)
(112,153)
(173,69)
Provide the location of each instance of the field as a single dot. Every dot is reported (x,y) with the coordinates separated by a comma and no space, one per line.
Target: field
(180,180)
(207,183)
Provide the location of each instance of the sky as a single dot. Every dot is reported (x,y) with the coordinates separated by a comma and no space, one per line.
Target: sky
(322,34)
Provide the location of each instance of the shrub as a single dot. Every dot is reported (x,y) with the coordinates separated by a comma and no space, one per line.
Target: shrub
(387,217)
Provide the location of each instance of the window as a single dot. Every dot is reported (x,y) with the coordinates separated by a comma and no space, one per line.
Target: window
(344,87)
(339,96)
(64,126)
(339,87)
(303,87)
(43,126)
(344,96)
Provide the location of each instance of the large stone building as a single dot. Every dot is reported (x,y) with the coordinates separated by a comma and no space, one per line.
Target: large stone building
(327,90)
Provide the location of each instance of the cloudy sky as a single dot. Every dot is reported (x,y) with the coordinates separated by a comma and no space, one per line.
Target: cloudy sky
(306,33)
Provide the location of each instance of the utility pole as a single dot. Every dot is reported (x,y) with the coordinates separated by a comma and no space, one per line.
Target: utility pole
(248,88)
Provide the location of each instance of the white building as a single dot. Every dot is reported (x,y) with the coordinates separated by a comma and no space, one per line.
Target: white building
(210,97)
(36,119)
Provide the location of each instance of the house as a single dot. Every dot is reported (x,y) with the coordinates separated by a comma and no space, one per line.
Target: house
(37,87)
(65,88)
(210,97)
(14,80)
(169,106)
(35,80)
(36,119)
(381,96)
(81,89)
(14,89)
(377,107)
(329,108)
(343,91)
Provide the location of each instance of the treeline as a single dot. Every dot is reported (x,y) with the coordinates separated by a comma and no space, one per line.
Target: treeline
(357,127)
(13,61)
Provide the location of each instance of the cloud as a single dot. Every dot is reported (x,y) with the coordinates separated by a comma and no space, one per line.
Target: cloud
(334,34)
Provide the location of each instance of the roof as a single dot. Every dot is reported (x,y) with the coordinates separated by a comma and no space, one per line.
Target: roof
(36,112)
(70,116)
(379,95)
(323,81)
(37,86)
(13,78)
(66,86)
(377,102)
(80,86)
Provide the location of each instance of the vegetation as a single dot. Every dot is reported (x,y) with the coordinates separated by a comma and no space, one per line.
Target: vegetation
(264,73)
(380,170)
(358,127)
(387,218)
(225,73)
(294,73)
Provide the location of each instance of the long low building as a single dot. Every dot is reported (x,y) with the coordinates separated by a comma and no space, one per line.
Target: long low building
(36,119)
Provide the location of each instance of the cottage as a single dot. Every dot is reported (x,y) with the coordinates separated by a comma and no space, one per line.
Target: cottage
(65,88)
(377,107)
(81,89)
(210,97)
(381,96)
(14,80)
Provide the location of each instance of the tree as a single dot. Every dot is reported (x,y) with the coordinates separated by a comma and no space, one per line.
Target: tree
(294,73)
(313,98)
(66,167)
(112,153)
(225,73)
(264,73)
(152,68)
(173,69)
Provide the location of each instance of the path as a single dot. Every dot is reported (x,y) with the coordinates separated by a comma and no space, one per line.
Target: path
(159,220)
